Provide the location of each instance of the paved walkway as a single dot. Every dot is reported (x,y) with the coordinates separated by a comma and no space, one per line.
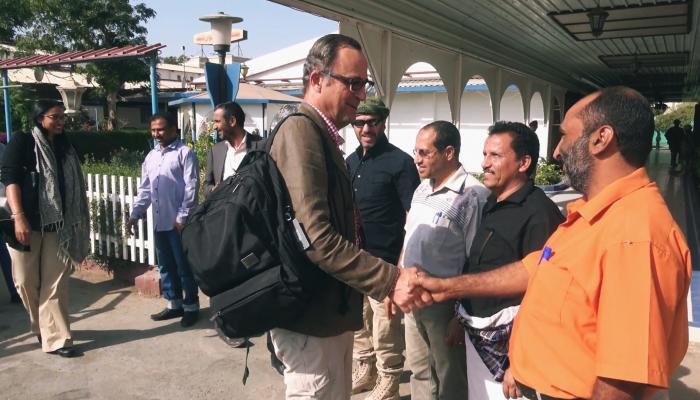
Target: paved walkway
(128,356)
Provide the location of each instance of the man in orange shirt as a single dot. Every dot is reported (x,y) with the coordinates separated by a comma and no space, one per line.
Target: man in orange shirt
(605,314)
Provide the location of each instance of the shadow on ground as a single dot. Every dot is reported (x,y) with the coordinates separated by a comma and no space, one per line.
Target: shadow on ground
(678,389)
(86,300)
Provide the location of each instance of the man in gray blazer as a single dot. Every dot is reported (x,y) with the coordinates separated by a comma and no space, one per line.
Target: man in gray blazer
(225,156)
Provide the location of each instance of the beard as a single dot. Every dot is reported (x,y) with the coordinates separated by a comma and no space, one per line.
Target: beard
(577,162)
(227,134)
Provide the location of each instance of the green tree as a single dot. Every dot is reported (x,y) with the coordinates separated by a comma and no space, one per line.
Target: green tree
(178,60)
(60,26)
(21,99)
(13,15)
(683,112)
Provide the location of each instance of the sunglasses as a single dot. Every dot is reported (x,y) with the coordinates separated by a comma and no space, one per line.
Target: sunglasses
(353,84)
(360,123)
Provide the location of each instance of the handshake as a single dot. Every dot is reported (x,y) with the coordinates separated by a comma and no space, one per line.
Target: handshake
(415,289)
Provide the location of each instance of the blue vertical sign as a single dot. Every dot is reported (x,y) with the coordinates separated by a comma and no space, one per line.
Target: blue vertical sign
(218,92)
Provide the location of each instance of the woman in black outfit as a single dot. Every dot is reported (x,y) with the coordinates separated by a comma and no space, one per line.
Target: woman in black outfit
(46,192)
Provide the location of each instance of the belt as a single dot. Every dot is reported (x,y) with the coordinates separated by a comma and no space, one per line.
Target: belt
(532,394)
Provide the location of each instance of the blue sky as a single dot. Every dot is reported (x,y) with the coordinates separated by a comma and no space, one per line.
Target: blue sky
(270,26)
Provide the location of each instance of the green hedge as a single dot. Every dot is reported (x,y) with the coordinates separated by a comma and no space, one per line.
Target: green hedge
(122,162)
(102,146)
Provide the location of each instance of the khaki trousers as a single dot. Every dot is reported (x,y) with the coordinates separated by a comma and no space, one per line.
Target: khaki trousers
(380,338)
(315,368)
(438,371)
(42,283)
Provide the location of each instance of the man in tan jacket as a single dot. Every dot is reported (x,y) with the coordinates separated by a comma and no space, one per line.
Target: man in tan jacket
(317,349)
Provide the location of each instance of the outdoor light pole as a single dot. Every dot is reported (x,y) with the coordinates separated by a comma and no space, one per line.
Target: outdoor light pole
(184,70)
(154,84)
(6,94)
(221,39)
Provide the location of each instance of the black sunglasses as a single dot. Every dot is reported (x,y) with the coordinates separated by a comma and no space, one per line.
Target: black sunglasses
(360,123)
(354,84)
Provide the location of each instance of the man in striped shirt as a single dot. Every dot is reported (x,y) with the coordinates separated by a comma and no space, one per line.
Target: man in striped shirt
(440,227)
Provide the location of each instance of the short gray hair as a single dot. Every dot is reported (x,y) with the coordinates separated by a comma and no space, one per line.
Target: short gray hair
(324,52)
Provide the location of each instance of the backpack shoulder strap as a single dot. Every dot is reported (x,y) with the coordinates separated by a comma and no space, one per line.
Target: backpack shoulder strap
(326,150)
(271,137)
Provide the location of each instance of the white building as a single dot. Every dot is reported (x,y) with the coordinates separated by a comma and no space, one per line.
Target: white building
(420,99)
(258,103)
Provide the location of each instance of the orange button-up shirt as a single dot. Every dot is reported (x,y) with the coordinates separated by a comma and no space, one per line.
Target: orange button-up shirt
(610,298)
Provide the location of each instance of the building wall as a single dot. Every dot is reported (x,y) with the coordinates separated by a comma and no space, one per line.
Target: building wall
(413,110)
(132,117)
(127,117)
(204,115)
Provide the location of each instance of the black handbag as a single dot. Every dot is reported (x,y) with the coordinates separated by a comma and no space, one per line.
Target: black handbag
(29,202)
(5,211)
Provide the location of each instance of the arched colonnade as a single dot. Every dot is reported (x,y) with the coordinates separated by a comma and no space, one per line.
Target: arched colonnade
(511,95)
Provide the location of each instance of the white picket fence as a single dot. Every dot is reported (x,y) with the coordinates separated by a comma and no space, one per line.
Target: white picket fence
(110,198)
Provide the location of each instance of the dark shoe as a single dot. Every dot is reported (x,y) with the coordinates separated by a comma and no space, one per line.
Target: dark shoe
(189,318)
(167,313)
(67,352)
(276,364)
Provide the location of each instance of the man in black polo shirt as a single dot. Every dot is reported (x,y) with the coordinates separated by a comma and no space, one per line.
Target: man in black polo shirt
(383,180)
(517,219)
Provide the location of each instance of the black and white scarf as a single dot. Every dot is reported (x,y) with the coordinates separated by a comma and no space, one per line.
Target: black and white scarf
(72,222)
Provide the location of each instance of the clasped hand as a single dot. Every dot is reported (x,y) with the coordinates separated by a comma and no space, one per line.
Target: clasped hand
(414,290)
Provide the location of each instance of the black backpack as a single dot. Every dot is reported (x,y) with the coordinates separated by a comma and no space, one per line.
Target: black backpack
(246,250)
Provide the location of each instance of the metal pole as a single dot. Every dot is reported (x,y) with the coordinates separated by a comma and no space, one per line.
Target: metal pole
(6,95)
(194,123)
(184,72)
(154,86)
(264,131)
(222,65)
(222,83)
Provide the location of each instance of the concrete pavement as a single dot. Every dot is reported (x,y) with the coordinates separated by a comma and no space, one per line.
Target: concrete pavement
(128,356)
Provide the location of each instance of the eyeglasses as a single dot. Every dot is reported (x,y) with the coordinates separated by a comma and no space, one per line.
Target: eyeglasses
(354,84)
(423,153)
(360,123)
(56,117)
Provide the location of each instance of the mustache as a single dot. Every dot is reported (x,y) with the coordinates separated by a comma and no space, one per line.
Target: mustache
(488,170)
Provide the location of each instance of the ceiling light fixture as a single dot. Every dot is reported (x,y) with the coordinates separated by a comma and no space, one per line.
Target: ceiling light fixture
(659,107)
(597,17)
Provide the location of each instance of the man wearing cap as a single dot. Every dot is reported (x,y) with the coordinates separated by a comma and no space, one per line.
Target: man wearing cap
(383,179)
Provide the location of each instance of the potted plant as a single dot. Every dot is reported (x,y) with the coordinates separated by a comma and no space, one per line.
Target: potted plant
(549,177)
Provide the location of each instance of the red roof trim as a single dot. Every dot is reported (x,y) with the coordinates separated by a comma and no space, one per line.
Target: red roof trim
(73,57)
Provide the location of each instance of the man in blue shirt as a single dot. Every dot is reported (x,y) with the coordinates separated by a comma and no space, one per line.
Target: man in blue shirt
(169,184)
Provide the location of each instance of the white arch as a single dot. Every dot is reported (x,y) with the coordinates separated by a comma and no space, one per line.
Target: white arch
(476,116)
(416,105)
(537,113)
(512,108)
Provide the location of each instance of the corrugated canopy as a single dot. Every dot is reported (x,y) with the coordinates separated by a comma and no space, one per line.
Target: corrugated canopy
(526,37)
(75,57)
(247,94)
